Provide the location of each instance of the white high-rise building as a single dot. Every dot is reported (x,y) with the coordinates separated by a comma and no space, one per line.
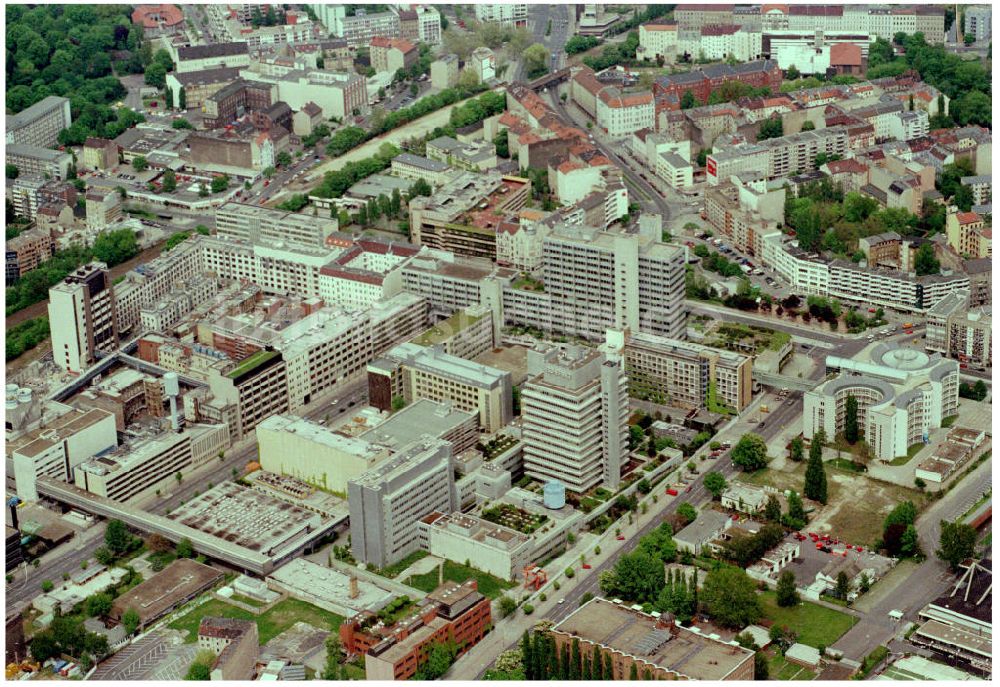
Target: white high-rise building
(82,317)
(574,413)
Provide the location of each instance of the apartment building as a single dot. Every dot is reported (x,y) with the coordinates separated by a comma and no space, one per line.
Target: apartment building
(444,71)
(704,81)
(39,125)
(891,288)
(164,313)
(474,156)
(26,251)
(412,371)
(99,153)
(484,62)
(235,643)
(744,210)
(450,282)
(979,22)
(196,87)
(616,111)
(574,418)
(968,235)
(31,159)
(657,39)
(84,306)
(514,14)
(392,54)
(776,157)
(463,215)
(453,612)
(388,501)
(137,470)
(428,24)
(685,374)
(902,395)
(251,223)
(881,21)
(103,206)
(361,26)
(959,331)
(982,188)
(410,166)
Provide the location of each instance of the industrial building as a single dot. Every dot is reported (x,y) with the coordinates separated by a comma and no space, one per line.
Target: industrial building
(178,583)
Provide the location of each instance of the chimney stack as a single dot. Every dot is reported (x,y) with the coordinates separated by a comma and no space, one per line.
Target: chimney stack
(354,587)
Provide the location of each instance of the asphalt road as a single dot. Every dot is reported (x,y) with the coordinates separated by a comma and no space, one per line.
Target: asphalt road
(773,423)
(538,21)
(649,198)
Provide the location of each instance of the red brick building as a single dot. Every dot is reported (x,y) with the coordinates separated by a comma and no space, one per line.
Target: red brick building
(704,81)
(452,612)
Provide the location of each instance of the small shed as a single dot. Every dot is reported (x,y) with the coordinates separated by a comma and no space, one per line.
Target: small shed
(803,655)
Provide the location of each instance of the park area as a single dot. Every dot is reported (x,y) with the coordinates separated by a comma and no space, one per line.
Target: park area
(270,624)
(488,585)
(857,504)
(815,625)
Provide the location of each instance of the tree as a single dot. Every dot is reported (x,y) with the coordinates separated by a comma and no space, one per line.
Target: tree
(199,671)
(772,510)
(220,183)
(909,542)
(687,511)
(843,585)
(439,659)
(636,576)
(644,487)
(925,261)
(331,669)
(156,75)
(284,159)
(851,432)
(47,586)
(103,555)
(169,181)
(786,593)
(139,163)
(398,403)
(796,449)
(185,549)
(957,542)
(420,188)
(688,100)
(117,537)
(750,452)
(815,478)
(99,605)
(130,620)
(731,598)
(507,606)
(12,171)
(792,73)
(796,516)
(536,58)
(202,189)
(715,482)
(771,128)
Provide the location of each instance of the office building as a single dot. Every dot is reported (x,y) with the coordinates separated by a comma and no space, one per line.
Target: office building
(99,153)
(474,156)
(39,125)
(902,394)
(250,223)
(468,333)
(26,251)
(392,54)
(453,612)
(428,24)
(497,550)
(57,449)
(960,331)
(657,39)
(703,81)
(139,469)
(574,415)
(513,15)
(84,305)
(656,648)
(197,58)
(360,26)
(388,501)
(289,445)
(412,372)
(103,206)
(685,374)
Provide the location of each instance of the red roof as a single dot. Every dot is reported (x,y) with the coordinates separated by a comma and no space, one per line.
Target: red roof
(845,54)
(846,167)
(151,16)
(968,218)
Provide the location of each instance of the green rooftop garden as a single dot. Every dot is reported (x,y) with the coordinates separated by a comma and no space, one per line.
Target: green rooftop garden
(255,360)
(447,328)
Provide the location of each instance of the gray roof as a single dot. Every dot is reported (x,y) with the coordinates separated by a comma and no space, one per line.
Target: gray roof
(703,529)
(199,52)
(36,152)
(30,114)
(421,162)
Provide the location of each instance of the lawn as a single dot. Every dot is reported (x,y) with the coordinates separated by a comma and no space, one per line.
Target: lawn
(910,453)
(815,625)
(780,669)
(488,584)
(269,625)
(396,568)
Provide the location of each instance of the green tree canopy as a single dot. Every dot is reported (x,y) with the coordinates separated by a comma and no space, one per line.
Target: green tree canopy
(750,452)
(731,598)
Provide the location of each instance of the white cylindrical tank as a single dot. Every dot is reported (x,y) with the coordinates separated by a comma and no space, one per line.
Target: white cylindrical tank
(12,390)
(11,403)
(554,494)
(171,385)
(24,395)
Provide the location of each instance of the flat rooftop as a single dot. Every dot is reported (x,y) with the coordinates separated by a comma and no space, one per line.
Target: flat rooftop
(421,417)
(436,361)
(177,582)
(63,427)
(332,586)
(245,517)
(636,633)
(320,435)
